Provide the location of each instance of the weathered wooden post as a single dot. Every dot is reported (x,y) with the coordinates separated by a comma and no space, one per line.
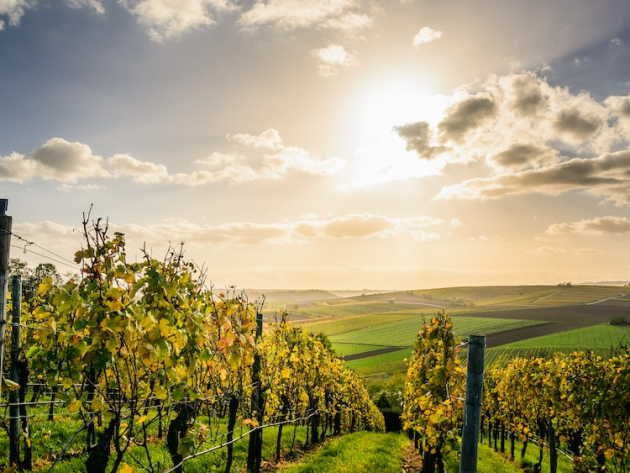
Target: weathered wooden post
(472,409)
(254,456)
(6,224)
(14,396)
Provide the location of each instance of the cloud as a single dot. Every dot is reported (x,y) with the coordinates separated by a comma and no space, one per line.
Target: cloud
(524,95)
(598,226)
(518,108)
(619,108)
(353,226)
(267,139)
(289,15)
(96,5)
(605,176)
(547,250)
(419,137)
(367,225)
(167,19)
(466,116)
(140,171)
(525,155)
(533,137)
(69,163)
(291,158)
(426,35)
(13,10)
(57,159)
(616,41)
(331,58)
(579,125)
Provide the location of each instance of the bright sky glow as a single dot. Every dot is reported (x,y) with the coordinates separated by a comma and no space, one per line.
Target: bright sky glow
(335,144)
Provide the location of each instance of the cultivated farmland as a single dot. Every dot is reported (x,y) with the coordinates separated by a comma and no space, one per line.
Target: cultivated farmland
(375,332)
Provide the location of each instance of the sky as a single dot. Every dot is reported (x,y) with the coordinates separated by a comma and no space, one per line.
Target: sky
(337,144)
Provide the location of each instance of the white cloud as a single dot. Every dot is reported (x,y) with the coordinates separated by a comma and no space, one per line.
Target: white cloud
(342,15)
(267,139)
(68,163)
(426,35)
(96,5)
(57,160)
(13,10)
(331,58)
(598,226)
(534,138)
(140,171)
(290,158)
(616,41)
(167,19)
(353,226)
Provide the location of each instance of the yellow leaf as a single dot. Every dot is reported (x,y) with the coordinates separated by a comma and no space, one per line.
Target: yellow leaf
(9,384)
(160,392)
(127,469)
(74,405)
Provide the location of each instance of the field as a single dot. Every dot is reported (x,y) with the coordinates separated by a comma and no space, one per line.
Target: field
(375,332)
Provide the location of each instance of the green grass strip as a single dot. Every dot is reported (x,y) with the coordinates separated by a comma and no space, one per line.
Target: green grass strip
(355,453)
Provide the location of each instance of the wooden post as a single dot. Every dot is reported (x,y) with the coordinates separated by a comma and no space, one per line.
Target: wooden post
(14,396)
(6,223)
(254,456)
(472,409)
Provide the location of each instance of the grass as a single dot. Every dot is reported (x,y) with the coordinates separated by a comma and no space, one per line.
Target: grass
(355,453)
(378,360)
(371,452)
(403,332)
(601,339)
(49,439)
(357,308)
(565,465)
(595,337)
(348,324)
(345,349)
(519,296)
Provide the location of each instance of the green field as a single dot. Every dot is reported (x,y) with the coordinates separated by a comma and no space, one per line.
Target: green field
(365,324)
(595,338)
(403,332)
(522,296)
(378,360)
(357,308)
(348,324)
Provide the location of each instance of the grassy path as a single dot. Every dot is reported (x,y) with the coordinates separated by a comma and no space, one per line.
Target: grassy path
(355,453)
(369,452)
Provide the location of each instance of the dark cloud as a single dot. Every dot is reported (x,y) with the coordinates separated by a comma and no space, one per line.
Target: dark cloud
(466,116)
(577,124)
(418,138)
(528,98)
(524,155)
(606,176)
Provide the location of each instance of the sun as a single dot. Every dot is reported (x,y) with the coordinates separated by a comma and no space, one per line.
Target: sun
(380,153)
(386,103)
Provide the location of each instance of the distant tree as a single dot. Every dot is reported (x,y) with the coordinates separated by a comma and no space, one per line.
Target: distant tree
(32,278)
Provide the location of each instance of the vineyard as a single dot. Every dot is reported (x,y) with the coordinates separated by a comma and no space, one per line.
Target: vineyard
(153,370)
(138,366)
